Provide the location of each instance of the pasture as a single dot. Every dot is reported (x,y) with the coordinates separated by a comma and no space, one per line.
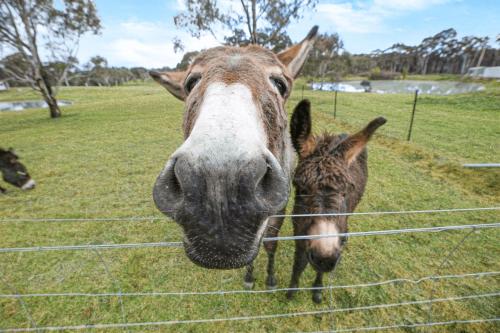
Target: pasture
(101,158)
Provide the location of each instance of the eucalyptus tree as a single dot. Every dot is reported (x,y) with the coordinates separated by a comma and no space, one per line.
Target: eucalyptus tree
(31,28)
(262,22)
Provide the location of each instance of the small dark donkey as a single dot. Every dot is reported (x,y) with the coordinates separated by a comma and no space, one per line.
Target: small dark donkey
(330,178)
(13,171)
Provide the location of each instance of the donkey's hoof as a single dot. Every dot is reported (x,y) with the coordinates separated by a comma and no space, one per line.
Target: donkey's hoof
(272,287)
(317,298)
(248,284)
(290,294)
(271,283)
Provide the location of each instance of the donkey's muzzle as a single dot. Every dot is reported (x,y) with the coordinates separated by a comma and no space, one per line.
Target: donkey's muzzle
(323,263)
(221,205)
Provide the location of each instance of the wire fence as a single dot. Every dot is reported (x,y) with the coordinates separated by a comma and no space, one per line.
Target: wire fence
(414,116)
(125,324)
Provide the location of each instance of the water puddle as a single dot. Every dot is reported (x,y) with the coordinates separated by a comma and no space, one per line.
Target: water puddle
(20,106)
(400,87)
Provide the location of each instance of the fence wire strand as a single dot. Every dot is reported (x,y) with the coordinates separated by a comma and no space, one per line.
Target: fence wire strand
(247,318)
(414,325)
(264,291)
(267,239)
(161,218)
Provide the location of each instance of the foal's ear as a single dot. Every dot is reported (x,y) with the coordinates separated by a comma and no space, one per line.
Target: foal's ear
(172,81)
(354,144)
(300,128)
(295,56)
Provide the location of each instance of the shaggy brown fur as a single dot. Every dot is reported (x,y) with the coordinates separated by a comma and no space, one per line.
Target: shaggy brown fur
(330,178)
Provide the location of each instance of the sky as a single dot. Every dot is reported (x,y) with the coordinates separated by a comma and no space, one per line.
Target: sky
(140,33)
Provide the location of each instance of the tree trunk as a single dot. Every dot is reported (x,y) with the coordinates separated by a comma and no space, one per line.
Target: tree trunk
(481,56)
(254,21)
(51,101)
(55,112)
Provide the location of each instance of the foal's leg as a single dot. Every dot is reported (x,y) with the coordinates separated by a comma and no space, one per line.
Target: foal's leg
(317,296)
(299,264)
(272,231)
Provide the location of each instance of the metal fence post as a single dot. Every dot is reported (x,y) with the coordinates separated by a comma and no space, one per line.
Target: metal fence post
(412,115)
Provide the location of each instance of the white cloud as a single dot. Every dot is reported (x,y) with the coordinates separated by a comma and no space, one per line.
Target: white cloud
(406,5)
(363,17)
(347,18)
(140,43)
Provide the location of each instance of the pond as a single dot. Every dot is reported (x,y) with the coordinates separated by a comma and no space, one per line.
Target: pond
(401,87)
(20,106)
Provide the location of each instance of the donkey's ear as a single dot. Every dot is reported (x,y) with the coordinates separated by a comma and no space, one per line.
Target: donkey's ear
(354,144)
(172,81)
(295,56)
(300,127)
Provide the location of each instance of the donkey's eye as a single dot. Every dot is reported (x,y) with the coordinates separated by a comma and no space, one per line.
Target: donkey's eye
(280,85)
(191,83)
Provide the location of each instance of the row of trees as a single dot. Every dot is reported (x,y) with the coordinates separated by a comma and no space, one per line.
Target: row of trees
(441,53)
(94,73)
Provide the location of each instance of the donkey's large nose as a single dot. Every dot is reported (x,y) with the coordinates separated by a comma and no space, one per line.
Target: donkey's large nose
(188,180)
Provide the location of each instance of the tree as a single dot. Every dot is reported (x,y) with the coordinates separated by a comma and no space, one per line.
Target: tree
(28,26)
(324,57)
(261,22)
(186,60)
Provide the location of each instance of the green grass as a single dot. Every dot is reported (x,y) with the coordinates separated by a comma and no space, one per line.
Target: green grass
(101,159)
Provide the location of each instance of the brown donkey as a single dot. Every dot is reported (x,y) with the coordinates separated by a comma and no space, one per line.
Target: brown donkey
(330,178)
(233,170)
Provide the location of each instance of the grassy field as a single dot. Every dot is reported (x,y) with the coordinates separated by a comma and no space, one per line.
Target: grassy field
(100,161)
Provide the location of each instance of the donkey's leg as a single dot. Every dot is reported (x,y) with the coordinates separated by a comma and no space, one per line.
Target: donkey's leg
(249,280)
(299,264)
(317,294)
(2,190)
(271,246)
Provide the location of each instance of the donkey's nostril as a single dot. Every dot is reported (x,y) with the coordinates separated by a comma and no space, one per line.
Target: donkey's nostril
(167,192)
(271,184)
(173,178)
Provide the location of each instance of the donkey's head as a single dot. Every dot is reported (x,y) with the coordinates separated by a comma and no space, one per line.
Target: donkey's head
(233,170)
(324,181)
(13,171)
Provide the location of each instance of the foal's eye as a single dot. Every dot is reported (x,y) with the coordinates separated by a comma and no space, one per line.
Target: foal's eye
(280,85)
(191,83)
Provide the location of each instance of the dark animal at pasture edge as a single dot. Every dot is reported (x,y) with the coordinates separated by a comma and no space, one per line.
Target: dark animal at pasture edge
(330,178)
(234,169)
(13,171)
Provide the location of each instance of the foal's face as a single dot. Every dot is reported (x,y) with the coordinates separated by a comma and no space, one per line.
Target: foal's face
(323,182)
(233,170)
